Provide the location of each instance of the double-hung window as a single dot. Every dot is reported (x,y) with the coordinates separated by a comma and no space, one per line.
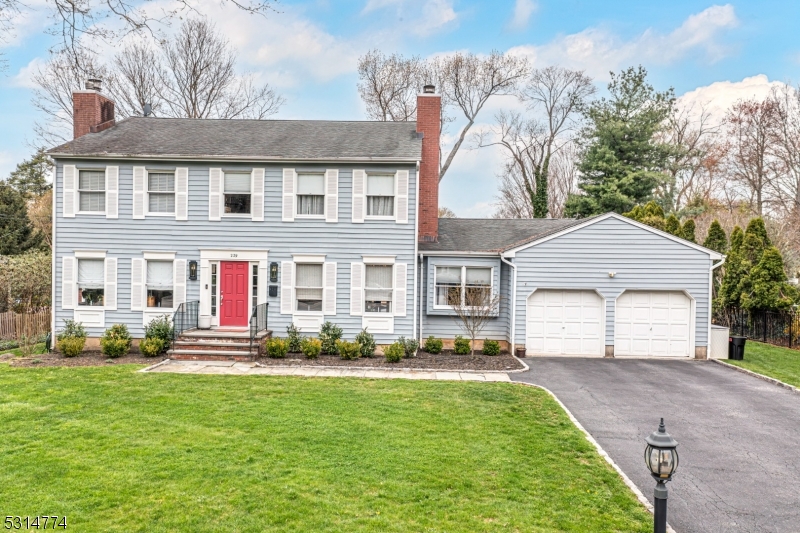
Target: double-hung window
(161,192)
(308,287)
(380,195)
(463,286)
(91,282)
(310,194)
(237,193)
(159,284)
(92,191)
(378,288)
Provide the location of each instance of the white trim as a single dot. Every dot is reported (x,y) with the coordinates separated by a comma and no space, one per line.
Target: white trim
(600,218)
(416,250)
(714,266)
(463,282)
(603,314)
(90,316)
(378,322)
(513,332)
(90,254)
(159,256)
(378,259)
(233,254)
(692,320)
(237,158)
(308,258)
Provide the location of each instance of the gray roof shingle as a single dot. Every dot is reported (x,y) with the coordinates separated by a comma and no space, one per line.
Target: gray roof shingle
(251,139)
(493,234)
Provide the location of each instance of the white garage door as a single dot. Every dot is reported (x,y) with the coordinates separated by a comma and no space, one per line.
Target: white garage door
(564,323)
(652,323)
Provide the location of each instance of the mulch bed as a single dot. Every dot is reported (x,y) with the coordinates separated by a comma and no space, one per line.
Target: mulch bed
(85,359)
(446,360)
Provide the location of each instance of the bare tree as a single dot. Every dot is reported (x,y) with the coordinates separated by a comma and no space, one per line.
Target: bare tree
(554,96)
(446,212)
(786,148)
(190,76)
(478,306)
(389,85)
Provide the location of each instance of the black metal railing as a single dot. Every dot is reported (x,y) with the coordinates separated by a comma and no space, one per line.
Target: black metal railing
(258,323)
(184,318)
(781,328)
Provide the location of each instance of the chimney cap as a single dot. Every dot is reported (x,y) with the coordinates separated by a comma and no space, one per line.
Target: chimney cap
(94,84)
(429,89)
(147,110)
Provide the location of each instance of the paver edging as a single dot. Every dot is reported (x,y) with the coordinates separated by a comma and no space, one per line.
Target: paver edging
(768,379)
(151,367)
(630,484)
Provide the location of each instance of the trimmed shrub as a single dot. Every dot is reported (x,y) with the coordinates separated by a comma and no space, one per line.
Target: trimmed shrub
(329,333)
(311,347)
(433,345)
(491,347)
(116,341)
(277,348)
(294,338)
(461,346)
(71,329)
(410,346)
(348,350)
(151,346)
(367,342)
(71,346)
(394,352)
(159,328)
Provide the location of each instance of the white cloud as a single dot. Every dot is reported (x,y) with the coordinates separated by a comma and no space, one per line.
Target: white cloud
(718,97)
(421,17)
(24,78)
(598,50)
(523,9)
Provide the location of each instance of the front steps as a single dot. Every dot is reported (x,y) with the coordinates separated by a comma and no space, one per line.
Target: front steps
(216,345)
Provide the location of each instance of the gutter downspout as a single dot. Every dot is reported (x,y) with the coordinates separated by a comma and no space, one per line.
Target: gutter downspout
(53,264)
(513,266)
(710,301)
(416,249)
(421,269)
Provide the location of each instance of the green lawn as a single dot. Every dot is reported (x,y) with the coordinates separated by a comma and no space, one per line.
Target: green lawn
(38,349)
(115,450)
(773,361)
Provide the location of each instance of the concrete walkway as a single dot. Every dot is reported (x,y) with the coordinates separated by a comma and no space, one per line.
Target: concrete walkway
(253,369)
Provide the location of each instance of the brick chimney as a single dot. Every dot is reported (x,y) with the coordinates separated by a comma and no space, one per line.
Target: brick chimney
(91,111)
(429,123)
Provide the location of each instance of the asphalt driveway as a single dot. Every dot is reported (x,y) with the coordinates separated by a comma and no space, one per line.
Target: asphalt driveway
(739,436)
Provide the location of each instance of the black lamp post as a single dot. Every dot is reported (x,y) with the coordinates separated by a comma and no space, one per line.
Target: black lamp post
(661,457)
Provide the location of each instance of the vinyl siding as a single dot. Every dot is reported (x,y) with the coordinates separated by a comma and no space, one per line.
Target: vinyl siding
(642,260)
(342,242)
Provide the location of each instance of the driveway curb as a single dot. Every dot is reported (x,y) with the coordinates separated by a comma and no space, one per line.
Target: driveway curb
(630,484)
(768,379)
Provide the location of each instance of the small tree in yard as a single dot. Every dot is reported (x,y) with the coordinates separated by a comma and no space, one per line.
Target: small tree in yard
(475,309)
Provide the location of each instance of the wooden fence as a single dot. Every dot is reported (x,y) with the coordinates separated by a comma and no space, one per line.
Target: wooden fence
(15,325)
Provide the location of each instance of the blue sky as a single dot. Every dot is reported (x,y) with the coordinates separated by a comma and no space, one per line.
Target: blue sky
(710,53)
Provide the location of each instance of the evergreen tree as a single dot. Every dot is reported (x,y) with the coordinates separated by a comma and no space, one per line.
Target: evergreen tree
(729,293)
(716,239)
(737,237)
(756,227)
(621,160)
(30,176)
(17,235)
(673,225)
(687,231)
(766,286)
(652,209)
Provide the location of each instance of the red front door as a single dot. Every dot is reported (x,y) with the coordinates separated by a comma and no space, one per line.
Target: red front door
(233,293)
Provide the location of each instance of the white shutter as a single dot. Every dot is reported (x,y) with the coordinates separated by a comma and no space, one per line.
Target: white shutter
(263,282)
(182,193)
(329,288)
(112,192)
(68,289)
(401,198)
(139,178)
(70,192)
(331,195)
(400,284)
(179,282)
(359,197)
(356,289)
(289,181)
(257,202)
(287,287)
(137,284)
(214,194)
(110,290)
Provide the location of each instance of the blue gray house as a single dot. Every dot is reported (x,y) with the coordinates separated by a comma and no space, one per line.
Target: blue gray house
(225,224)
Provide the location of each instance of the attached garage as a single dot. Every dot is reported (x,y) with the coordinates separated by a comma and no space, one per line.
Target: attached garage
(653,323)
(564,322)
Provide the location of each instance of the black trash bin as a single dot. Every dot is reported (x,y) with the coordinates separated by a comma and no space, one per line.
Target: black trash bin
(736,347)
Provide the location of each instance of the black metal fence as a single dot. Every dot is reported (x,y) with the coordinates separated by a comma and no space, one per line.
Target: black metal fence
(258,323)
(771,327)
(185,318)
